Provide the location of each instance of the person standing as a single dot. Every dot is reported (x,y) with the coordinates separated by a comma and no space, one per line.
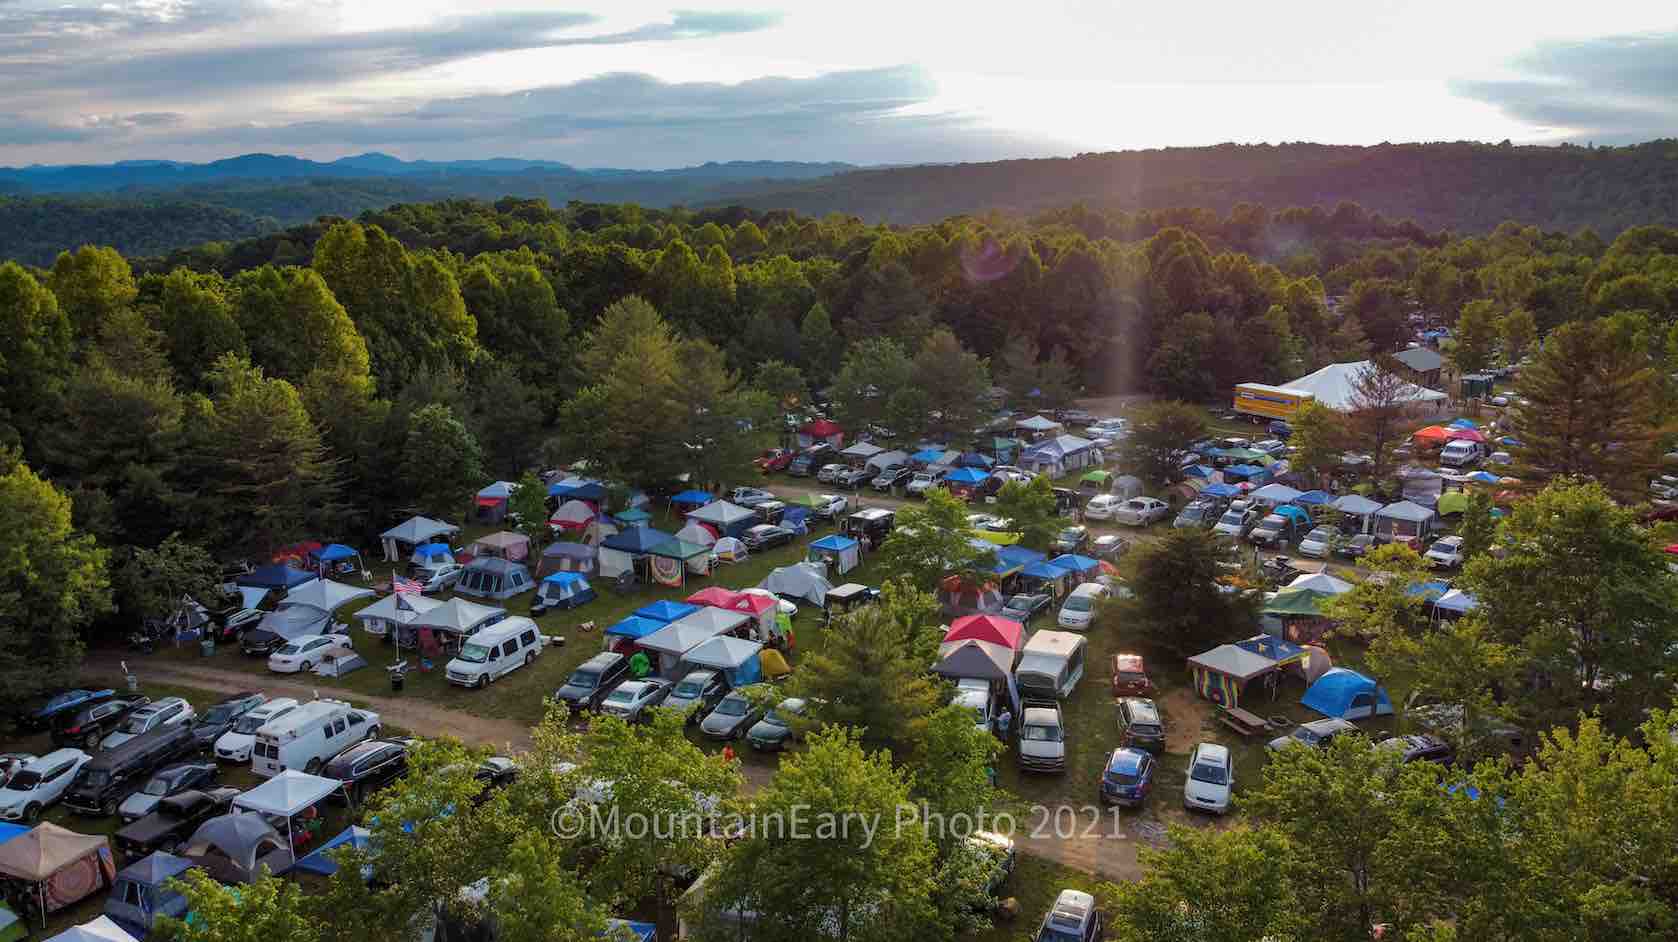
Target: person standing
(1004,720)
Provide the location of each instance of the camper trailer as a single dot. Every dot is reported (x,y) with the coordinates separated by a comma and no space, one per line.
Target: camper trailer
(1051,664)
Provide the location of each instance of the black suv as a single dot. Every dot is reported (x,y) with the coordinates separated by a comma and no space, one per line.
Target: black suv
(90,724)
(1140,725)
(116,773)
(592,681)
(366,766)
(221,717)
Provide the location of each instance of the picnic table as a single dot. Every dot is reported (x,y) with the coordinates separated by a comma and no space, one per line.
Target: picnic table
(1242,721)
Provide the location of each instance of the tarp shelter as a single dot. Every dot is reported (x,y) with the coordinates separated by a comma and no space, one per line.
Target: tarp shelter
(502,545)
(394,612)
(992,629)
(572,516)
(926,456)
(957,596)
(275,576)
(1347,694)
(1276,494)
(1320,582)
(972,459)
(1201,471)
(735,657)
(1083,565)
(428,555)
(1334,386)
(285,796)
(61,866)
(490,505)
(1037,426)
(1433,435)
(821,430)
(619,552)
(494,578)
(968,477)
(458,616)
(1403,521)
(1045,575)
(320,862)
(1059,455)
(799,581)
(234,848)
(697,533)
(840,553)
(326,594)
(413,532)
(1019,556)
(858,452)
(729,519)
(567,557)
(578,489)
(565,590)
(666,611)
(1457,602)
(139,895)
(1463,423)
(671,560)
(99,929)
(292,620)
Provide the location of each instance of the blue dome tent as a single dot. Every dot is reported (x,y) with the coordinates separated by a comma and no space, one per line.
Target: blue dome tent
(1347,694)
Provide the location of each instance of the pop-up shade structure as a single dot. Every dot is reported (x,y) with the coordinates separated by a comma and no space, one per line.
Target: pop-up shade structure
(673,559)
(966,476)
(692,499)
(728,519)
(735,657)
(715,596)
(428,555)
(592,491)
(275,576)
(821,430)
(60,867)
(459,616)
(1320,582)
(99,929)
(992,629)
(1222,674)
(286,795)
(679,637)
(861,451)
(394,612)
(665,611)
(619,552)
(327,595)
(1276,494)
(840,552)
(413,532)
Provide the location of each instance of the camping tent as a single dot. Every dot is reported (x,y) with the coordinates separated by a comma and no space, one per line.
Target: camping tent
(394,611)
(1276,494)
(1347,694)
(572,516)
(972,658)
(735,657)
(1403,521)
(956,596)
(973,459)
(1334,386)
(99,929)
(285,796)
(428,555)
(503,545)
(1126,486)
(295,620)
(1221,675)
(671,560)
(992,629)
(234,848)
(494,578)
(275,576)
(567,557)
(1421,486)
(729,519)
(821,430)
(799,581)
(1056,456)
(565,590)
(413,532)
(1452,502)
(619,552)
(458,616)
(840,553)
(326,594)
(320,862)
(697,533)
(61,866)
(715,596)
(490,506)
(730,550)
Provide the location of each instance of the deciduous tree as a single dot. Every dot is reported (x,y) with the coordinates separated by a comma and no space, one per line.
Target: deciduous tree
(933,540)
(1176,604)
(1380,399)
(1160,432)
(1031,511)
(1475,337)
(1210,885)
(441,462)
(868,677)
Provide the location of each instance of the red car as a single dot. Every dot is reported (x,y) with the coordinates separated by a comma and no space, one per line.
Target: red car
(775,459)
(1130,677)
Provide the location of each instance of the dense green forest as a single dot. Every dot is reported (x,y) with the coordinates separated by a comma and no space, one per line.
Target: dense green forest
(1460,187)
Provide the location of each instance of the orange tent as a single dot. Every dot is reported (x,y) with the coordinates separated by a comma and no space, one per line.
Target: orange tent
(1432,433)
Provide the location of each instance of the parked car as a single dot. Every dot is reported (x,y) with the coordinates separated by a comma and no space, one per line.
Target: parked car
(922,481)
(1198,514)
(830,506)
(174,820)
(169,780)
(1142,511)
(90,724)
(1210,779)
(731,717)
(440,578)
(301,654)
(1130,676)
(220,718)
(806,462)
(891,477)
(493,773)
(45,712)
(169,711)
(1419,747)
(366,767)
(11,762)
(854,478)
(1024,608)
(1273,529)
(235,623)
(1042,745)
(766,536)
(829,473)
(1271,446)
(1446,552)
(114,774)
(1071,540)
(1319,542)
(39,784)
(1317,733)
(1357,546)
(235,744)
(591,680)
(1103,507)
(1108,546)
(775,459)
(1140,724)
(696,694)
(749,497)
(1238,520)
(778,727)
(1077,613)
(1128,778)
(633,700)
(1073,918)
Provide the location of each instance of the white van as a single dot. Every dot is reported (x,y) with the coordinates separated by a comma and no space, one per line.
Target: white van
(1078,611)
(1051,664)
(309,735)
(235,745)
(501,648)
(1460,454)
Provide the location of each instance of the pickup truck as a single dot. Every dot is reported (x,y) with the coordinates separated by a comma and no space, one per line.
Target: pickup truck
(1042,737)
(173,822)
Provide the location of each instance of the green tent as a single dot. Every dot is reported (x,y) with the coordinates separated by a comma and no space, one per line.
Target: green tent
(11,927)
(1452,502)
(1296,602)
(1097,477)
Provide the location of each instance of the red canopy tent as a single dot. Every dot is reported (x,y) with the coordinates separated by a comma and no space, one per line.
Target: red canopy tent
(821,430)
(989,628)
(714,596)
(1465,435)
(752,603)
(1434,433)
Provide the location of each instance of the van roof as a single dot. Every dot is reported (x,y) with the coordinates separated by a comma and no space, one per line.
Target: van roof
(307,713)
(501,630)
(273,706)
(601,661)
(1088,588)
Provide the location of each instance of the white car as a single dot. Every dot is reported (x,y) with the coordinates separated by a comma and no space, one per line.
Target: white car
(830,506)
(1237,520)
(440,577)
(235,744)
(921,482)
(830,472)
(1211,776)
(302,653)
(169,711)
(1445,551)
(1141,511)
(1319,542)
(1103,507)
(39,783)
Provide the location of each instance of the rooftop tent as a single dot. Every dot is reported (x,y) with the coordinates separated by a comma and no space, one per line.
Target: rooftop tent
(842,552)
(1355,504)
(274,576)
(695,532)
(413,532)
(887,459)
(494,578)
(992,629)
(1313,498)
(1320,582)
(1076,563)
(572,515)
(431,554)
(234,848)
(715,596)
(565,590)
(666,611)
(861,451)
(1347,694)
(729,519)
(328,595)
(967,476)
(99,929)
(972,459)
(799,581)
(635,627)
(1221,490)
(320,862)
(821,430)
(735,657)
(1333,386)
(567,557)
(64,867)
(504,545)
(1037,425)
(1452,502)
(978,659)
(926,456)
(693,498)
(1276,494)
(459,616)
(294,620)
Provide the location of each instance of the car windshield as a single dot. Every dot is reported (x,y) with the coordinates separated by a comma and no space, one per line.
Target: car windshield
(1040,734)
(24,781)
(1123,778)
(775,719)
(688,689)
(582,679)
(97,778)
(218,715)
(1272,522)
(1306,736)
(732,706)
(158,786)
(474,653)
(1070,536)
(136,724)
(620,695)
(1209,772)
(1078,603)
(291,649)
(248,724)
(1442,546)
(1234,516)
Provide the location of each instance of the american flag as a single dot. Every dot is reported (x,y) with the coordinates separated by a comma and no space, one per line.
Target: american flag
(402,586)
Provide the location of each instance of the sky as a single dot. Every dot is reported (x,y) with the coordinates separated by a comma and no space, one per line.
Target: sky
(646,85)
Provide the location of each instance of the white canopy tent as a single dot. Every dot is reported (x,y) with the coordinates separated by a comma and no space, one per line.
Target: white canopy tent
(1276,494)
(328,595)
(676,639)
(1320,582)
(459,616)
(1403,520)
(101,929)
(722,514)
(250,596)
(394,611)
(1356,504)
(286,795)
(888,459)
(1333,386)
(413,532)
